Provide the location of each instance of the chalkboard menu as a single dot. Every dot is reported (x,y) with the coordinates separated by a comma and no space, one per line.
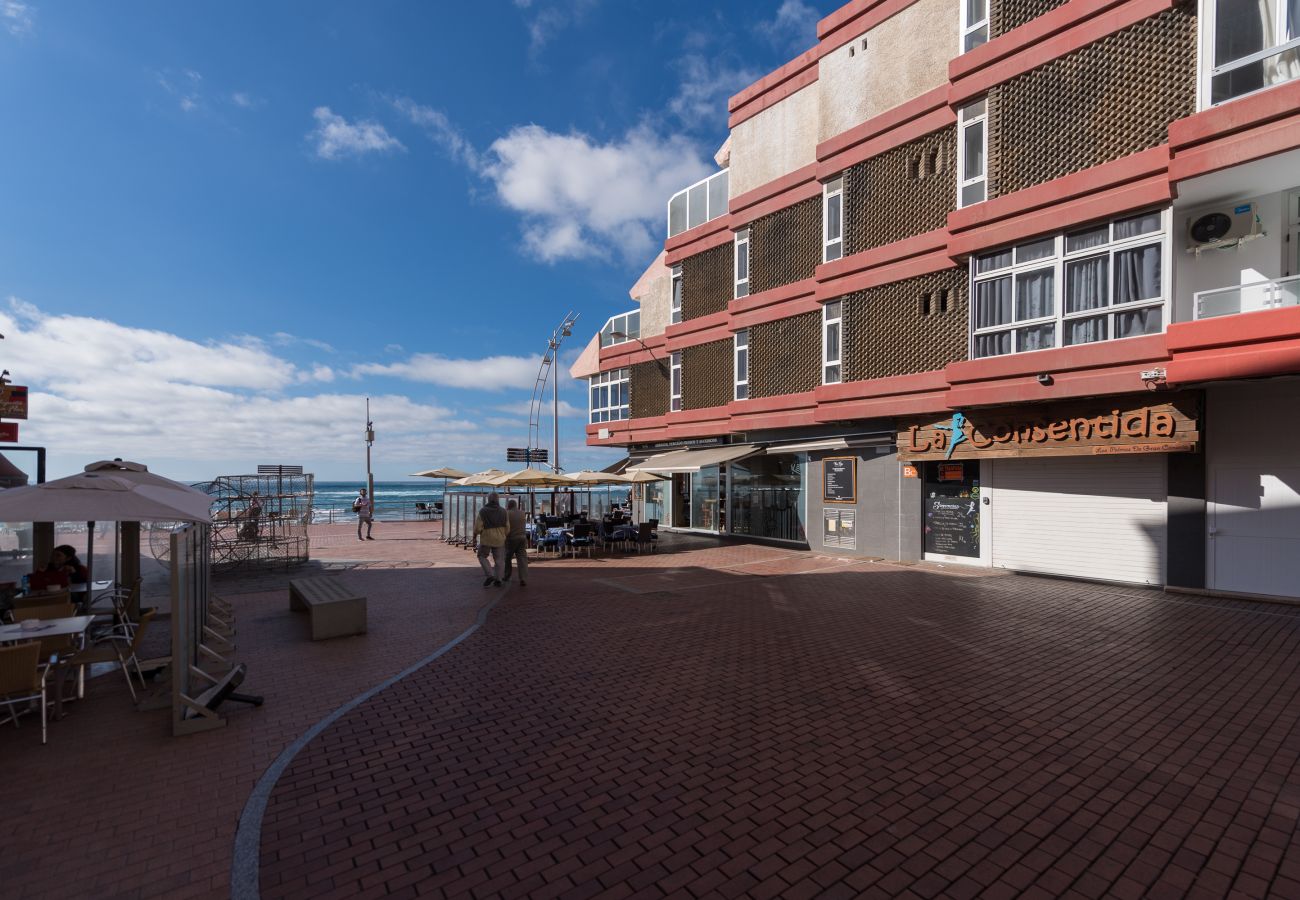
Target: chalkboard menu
(840,479)
(952,525)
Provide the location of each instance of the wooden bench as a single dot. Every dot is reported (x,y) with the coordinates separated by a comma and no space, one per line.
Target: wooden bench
(335,609)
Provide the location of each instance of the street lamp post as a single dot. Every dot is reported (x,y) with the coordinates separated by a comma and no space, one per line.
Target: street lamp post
(623,336)
(370,440)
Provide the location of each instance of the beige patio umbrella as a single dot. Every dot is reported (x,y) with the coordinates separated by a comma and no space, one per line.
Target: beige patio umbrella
(643,477)
(586,476)
(479,479)
(444,472)
(532,478)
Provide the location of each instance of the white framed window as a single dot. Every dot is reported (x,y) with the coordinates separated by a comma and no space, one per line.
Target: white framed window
(1102,282)
(742,263)
(832,341)
(676,303)
(702,202)
(833,219)
(610,397)
(742,365)
(974,24)
(675,382)
(972,153)
(1246,46)
(1291,244)
(621,328)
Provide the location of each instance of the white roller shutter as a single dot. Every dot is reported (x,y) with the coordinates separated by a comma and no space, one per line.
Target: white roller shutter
(1100,517)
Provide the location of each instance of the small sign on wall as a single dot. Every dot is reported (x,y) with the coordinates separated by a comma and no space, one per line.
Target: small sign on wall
(840,479)
(8,431)
(839,528)
(910,472)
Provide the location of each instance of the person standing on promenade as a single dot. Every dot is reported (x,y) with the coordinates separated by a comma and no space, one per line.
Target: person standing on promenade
(490,526)
(516,541)
(365,514)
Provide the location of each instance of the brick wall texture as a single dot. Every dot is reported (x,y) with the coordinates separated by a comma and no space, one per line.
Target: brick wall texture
(785,356)
(916,325)
(648,389)
(1111,99)
(1004,15)
(708,281)
(903,192)
(785,246)
(708,375)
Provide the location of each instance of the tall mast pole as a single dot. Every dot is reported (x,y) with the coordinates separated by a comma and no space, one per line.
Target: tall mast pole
(370,440)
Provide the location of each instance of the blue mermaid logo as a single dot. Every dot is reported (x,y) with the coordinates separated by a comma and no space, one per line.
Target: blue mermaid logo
(957,433)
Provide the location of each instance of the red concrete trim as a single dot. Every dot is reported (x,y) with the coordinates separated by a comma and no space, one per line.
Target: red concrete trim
(898,385)
(709,428)
(691,326)
(1102,354)
(1087,383)
(722,235)
(1152,191)
(721,331)
(1038,53)
(804,304)
(1276,102)
(918,245)
(699,233)
(1279,358)
(630,352)
(688,416)
(756,405)
(1234,149)
(882,407)
(1079,184)
(811,188)
(1039,29)
(782,294)
(791,78)
(885,122)
(1226,331)
(908,131)
(887,274)
(856,19)
(792,419)
(775,188)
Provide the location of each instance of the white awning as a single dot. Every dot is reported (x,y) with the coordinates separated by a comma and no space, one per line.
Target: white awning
(827,444)
(694,460)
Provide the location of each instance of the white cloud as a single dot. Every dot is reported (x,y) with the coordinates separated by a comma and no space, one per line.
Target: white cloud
(546,19)
(493,373)
(706,84)
(184,88)
(440,130)
(100,389)
(793,28)
(581,197)
(335,138)
(245,100)
(16,17)
(524,408)
(285,339)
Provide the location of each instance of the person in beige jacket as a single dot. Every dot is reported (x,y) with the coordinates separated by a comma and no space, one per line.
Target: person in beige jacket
(490,527)
(517,541)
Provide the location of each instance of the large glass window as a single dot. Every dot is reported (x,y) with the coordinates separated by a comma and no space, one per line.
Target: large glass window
(767,494)
(610,396)
(677,295)
(1102,282)
(655,500)
(742,364)
(832,331)
(675,390)
(972,154)
(702,202)
(742,263)
(621,328)
(706,498)
(833,220)
(1252,44)
(974,24)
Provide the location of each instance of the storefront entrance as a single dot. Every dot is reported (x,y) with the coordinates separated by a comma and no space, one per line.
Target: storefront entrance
(682,500)
(951,510)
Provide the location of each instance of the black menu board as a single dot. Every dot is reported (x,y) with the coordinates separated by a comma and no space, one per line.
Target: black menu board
(839,476)
(952,525)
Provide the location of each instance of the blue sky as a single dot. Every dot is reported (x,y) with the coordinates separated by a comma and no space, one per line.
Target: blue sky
(222,226)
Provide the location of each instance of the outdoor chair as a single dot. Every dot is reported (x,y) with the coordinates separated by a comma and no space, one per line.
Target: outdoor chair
(22,680)
(644,537)
(49,598)
(117,648)
(581,539)
(49,646)
(422,510)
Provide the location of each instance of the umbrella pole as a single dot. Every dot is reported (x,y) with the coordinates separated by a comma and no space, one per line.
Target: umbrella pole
(90,560)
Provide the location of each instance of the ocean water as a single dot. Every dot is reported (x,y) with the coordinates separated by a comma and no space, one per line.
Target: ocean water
(394,498)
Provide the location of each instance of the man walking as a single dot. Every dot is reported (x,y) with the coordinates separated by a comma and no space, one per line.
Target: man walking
(516,541)
(490,527)
(365,514)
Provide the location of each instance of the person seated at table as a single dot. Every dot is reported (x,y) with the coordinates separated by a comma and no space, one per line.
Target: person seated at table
(63,569)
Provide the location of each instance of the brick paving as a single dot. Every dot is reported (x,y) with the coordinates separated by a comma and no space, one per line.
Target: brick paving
(114,806)
(704,724)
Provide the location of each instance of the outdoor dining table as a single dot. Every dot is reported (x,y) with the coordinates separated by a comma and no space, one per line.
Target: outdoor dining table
(47,628)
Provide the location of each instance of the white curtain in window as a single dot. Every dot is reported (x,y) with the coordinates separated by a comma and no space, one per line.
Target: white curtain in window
(1137,274)
(1085,331)
(1138,322)
(992,302)
(1035,294)
(1085,284)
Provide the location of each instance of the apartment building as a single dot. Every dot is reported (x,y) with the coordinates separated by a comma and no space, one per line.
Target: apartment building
(1008,283)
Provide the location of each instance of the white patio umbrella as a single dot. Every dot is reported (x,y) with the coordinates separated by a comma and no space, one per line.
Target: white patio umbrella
(586,476)
(643,477)
(532,478)
(479,479)
(443,472)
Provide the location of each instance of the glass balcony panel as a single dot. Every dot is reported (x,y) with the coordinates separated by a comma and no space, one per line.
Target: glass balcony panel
(698,203)
(1260,295)
(718,194)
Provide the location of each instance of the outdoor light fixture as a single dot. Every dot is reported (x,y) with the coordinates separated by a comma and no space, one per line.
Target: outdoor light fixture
(1045,379)
(623,335)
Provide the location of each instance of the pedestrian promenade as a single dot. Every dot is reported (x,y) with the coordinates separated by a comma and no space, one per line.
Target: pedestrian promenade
(726,721)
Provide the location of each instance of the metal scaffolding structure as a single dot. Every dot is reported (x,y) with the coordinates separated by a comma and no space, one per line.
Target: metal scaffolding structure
(261,519)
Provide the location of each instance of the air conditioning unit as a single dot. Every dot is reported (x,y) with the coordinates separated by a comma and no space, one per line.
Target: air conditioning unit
(1225,227)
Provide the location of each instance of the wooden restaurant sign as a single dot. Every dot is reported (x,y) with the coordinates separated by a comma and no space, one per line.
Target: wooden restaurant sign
(1114,425)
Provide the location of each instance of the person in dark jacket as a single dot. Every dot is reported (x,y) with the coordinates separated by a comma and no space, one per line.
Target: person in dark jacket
(490,527)
(516,541)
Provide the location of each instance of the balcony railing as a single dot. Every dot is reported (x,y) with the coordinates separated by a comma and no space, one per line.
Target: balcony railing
(1254,297)
(621,328)
(702,202)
